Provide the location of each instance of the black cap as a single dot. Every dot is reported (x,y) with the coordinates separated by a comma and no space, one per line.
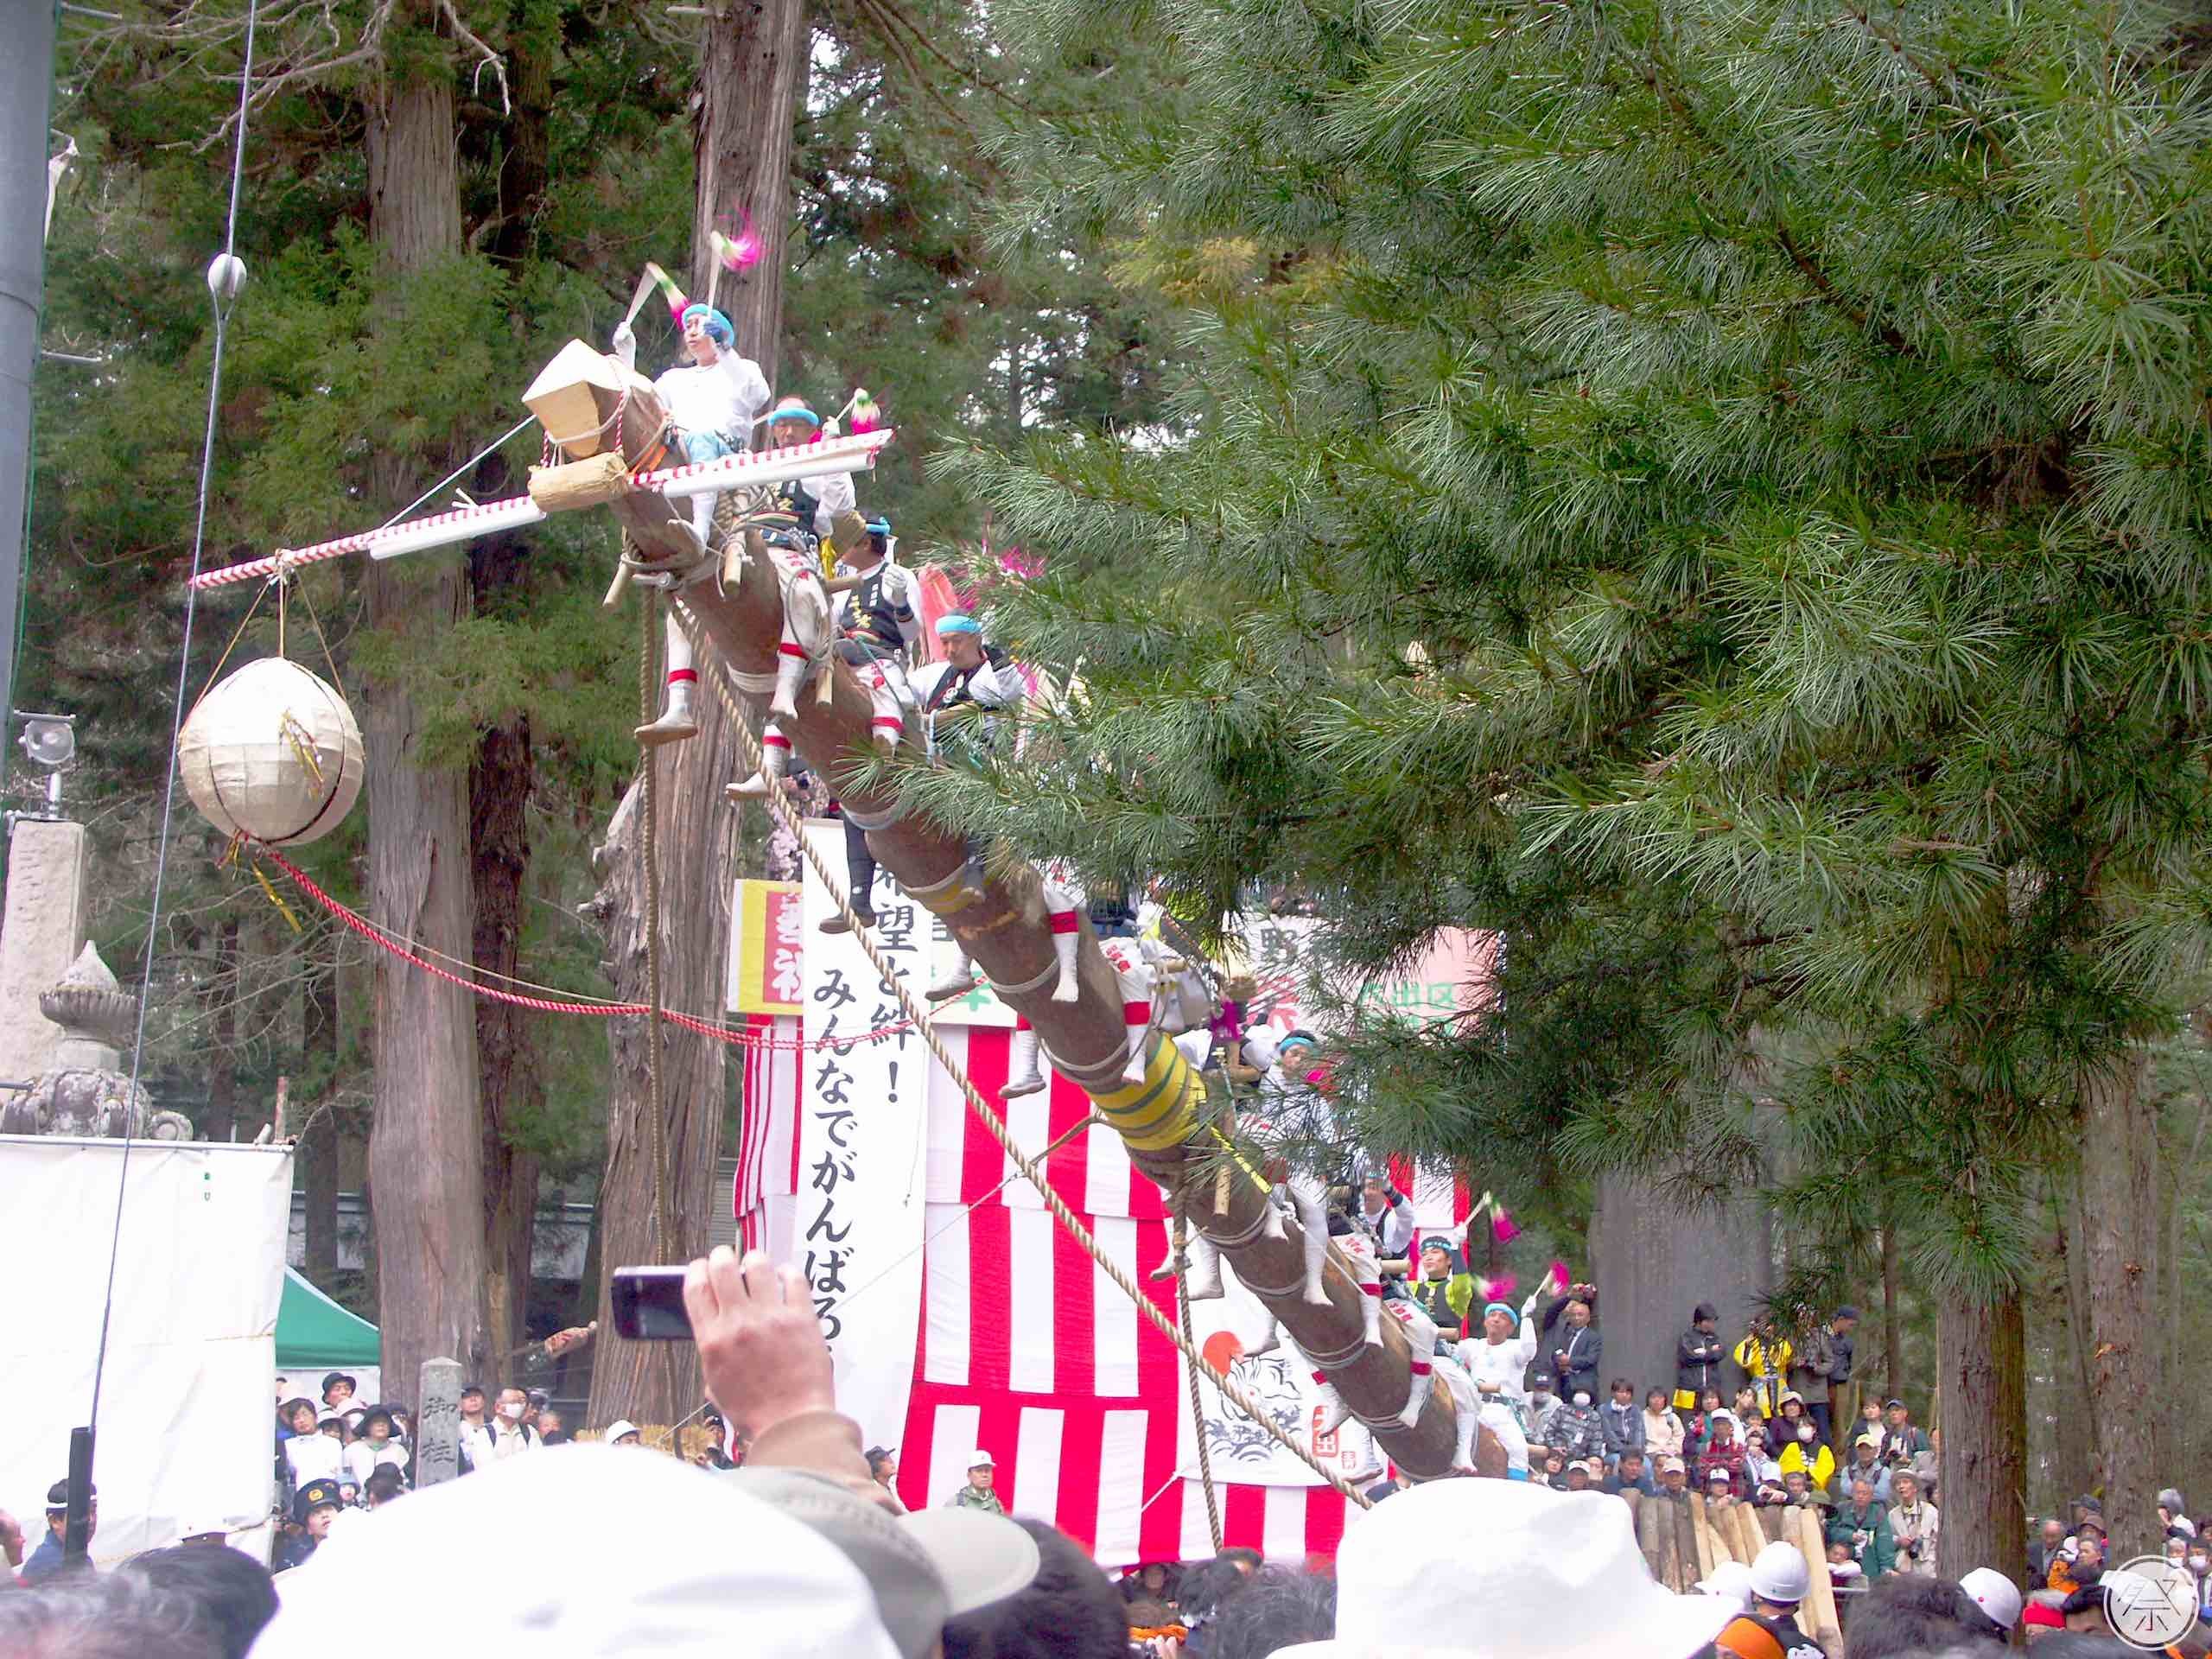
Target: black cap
(1894,1405)
(472,1388)
(316,1495)
(336,1378)
(1703,1311)
(57,1495)
(1846,1312)
(2087,1502)
(875,1454)
(1541,1380)
(375,1412)
(540,1398)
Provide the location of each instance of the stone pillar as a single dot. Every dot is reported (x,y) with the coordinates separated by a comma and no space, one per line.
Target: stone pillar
(39,937)
(1653,1264)
(437,1423)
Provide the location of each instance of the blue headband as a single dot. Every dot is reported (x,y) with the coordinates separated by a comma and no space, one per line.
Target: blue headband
(957,622)
(1497,1307)
(716,325)
(794,412)
(878,526)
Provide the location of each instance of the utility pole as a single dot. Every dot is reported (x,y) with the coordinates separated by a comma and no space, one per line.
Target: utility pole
(26,89)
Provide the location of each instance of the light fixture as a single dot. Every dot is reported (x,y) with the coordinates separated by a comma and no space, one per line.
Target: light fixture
(50,740)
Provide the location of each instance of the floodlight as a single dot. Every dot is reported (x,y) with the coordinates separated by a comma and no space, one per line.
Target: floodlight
(50,740)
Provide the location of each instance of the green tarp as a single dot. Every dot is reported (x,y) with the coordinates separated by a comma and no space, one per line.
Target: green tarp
(312,1330)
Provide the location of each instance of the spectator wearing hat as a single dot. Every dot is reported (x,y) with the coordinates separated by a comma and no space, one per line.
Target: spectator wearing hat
(337,1389)
(1723,1453)
(552,1428)
(1914,1523)
(1674,1477)
(1698,1353)
(883,1470)
(313,1508)
(1547,1566)
(1576,1431)
(1822,1363)
(1768,1628)
(1862,1523)
(377,1448)
(1865,1465)
(51,1556)
(979,1493)
(1902,1438)
(623,1431)
(1544,1405)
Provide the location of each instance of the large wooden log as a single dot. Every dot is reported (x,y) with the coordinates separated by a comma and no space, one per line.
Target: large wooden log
(1001,923)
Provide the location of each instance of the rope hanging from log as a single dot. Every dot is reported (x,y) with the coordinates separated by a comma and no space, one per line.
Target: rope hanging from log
(779,803)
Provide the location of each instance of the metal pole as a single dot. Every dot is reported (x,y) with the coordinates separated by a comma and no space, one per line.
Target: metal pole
(26,90)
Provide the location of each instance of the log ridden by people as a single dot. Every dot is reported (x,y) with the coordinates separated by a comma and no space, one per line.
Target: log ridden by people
(1002,924)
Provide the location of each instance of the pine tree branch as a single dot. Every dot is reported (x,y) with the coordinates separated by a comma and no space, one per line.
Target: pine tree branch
(1949,90)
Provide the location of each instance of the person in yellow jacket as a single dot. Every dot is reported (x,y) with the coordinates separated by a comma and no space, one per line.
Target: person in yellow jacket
(1764,1357)
(1807,1450)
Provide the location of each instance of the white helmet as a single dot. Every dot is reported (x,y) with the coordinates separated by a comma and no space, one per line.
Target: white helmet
(1732,1580)
(1778,1575)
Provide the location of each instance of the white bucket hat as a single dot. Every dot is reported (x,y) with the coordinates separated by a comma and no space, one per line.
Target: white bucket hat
(1500,1560)
(710,1560)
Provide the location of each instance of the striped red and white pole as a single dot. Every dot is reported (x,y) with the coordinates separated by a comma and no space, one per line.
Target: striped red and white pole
(856,452)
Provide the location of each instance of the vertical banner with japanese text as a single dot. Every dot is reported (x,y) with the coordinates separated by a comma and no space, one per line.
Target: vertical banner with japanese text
(766,949)
(858,1231)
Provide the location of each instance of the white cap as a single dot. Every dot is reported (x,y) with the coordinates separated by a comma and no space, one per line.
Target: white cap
(1995,1594)
(205,1523)
(617,1429)
(1404,1566)
(714,1554)
(980,1458)
(1731,1580)
(1779,1574)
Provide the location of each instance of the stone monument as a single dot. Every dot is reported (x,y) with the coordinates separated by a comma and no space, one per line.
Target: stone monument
(43,929)
(83,1090)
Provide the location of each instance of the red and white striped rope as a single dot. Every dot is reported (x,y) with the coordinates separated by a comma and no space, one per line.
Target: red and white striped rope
(740,1036)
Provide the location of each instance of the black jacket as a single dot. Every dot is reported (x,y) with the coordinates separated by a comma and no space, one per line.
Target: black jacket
(1698,1355)
(1585,1349)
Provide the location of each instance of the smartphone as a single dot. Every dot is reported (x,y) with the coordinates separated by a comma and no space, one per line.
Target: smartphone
(649,1304)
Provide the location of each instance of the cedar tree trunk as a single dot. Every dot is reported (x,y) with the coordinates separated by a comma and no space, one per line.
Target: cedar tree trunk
(2119,1216)
(426,1152)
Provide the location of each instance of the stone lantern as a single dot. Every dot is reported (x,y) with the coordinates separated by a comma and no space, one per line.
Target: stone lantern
(85,1091)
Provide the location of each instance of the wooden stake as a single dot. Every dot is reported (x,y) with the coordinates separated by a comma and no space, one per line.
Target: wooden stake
(277,1118)
(1700,1535)
(1811,1543)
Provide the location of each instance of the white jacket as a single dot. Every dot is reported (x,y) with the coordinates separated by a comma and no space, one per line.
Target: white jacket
(726,396)
(1502,1363)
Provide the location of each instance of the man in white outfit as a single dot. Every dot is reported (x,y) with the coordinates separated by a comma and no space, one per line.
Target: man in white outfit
(1497,1361)
(713,401)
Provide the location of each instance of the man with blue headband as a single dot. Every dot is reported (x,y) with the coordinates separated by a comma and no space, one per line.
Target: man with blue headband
(1496,1362)
(713,399)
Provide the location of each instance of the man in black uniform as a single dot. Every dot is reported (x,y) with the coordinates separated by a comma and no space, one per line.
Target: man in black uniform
(313,1508)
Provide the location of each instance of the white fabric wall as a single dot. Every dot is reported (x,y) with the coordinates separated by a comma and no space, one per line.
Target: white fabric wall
(186,1421)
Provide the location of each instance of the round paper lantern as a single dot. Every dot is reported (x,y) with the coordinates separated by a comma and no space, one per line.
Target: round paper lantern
(273,750)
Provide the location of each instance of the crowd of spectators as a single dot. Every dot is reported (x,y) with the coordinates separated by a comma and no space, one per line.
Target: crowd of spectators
(805,1549)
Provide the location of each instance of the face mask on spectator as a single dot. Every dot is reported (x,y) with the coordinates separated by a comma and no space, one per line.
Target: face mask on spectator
(512,1412)
(1541,1396)
(2198,1563)
(1582,1397)
(1807,1433)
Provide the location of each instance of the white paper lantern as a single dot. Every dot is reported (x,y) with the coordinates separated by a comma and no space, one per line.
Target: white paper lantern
(272,750)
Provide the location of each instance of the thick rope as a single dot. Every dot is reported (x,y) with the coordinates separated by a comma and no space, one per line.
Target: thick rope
(779,803)
(434,963)
(656,1133)
(1191,1376)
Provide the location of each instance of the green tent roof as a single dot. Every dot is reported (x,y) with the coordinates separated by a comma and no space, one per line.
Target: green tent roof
(312,1330)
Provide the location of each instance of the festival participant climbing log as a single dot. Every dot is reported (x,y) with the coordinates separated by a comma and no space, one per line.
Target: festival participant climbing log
(713,400)
(873,596)
(793,522)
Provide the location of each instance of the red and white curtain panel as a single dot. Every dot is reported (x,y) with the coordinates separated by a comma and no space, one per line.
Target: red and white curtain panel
(1026,1350)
